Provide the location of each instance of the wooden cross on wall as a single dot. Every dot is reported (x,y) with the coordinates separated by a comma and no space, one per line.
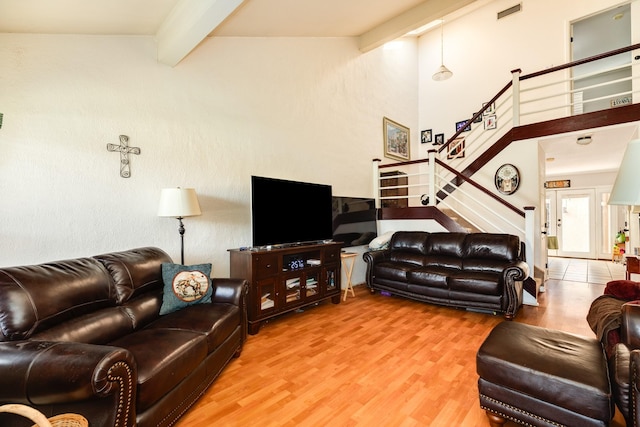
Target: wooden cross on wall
(124,149)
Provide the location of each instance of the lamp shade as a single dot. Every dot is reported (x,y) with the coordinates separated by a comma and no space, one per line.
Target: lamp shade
(626,189)
(443,73)
(178,202)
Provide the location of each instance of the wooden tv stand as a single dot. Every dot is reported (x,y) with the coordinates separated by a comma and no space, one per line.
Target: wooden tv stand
(286,278)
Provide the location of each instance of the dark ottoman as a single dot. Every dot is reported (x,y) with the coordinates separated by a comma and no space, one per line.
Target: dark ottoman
(542,377)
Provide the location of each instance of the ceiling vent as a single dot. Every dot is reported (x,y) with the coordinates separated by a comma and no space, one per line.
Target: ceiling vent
(510,11)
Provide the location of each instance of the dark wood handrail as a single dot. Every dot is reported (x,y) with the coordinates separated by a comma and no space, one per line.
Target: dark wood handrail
(537,74)
(582,61)
(481,188)
(475,116)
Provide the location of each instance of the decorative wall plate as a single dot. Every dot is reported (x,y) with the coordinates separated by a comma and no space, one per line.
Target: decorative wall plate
(507,179)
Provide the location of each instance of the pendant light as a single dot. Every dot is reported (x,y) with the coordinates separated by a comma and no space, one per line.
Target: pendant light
(442,73)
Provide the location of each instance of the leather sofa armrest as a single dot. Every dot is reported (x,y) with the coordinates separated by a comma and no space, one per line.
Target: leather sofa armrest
(55,373)
(371,258)
(634,385)
(233,291)
(630,327)
(230,291)
(620,375)
(513,275)
(375,256)
(516,271)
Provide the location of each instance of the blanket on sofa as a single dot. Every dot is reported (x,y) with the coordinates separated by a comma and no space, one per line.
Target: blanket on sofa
(605,315)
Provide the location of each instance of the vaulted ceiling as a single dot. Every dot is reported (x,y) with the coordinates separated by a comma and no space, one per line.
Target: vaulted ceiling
(180,25)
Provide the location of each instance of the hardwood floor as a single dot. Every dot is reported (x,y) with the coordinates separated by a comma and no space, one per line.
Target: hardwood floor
(373,361)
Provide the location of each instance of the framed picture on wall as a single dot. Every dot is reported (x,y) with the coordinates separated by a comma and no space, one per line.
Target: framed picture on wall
(456,149)
(491,109)
(439,139)
(460,125)
(396,140)
(426,136)
(490,122)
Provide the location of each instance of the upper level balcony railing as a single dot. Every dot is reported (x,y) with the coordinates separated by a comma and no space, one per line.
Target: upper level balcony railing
(452,177)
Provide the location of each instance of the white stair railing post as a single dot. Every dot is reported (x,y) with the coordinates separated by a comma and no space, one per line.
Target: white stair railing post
(432,178)
(515,87)
(375,173)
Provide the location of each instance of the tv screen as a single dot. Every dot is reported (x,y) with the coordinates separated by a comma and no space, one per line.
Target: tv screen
(285,212)
(354,220)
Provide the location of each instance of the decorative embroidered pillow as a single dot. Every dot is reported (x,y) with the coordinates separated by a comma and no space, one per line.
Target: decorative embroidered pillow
(185,285)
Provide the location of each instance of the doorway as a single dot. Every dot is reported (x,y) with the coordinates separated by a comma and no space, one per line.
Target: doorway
(571,220)
(581,223)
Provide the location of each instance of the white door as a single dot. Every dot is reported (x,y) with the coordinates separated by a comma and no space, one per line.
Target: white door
(572,221)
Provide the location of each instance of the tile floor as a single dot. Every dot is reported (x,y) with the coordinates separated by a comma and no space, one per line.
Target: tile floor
(585,270)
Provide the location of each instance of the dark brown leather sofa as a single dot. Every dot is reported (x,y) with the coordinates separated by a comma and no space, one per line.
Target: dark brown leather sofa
(482,271)
(85,336)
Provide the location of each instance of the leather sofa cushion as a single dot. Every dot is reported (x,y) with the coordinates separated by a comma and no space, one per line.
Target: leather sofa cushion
(478,265)
(217,321)
(409,242)
(486,246)
(446,244)
(406,258)
(164,358)
(99,327)
(397,271)
(477,283)
(548,365)
(135,271)
(431,276)
(31,299)
(443,261)
(144,309)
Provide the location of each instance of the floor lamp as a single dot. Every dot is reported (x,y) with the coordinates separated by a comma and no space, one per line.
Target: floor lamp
(179,203)
(626,189)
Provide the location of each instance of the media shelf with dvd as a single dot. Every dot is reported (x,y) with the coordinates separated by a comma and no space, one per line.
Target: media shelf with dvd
(284,279)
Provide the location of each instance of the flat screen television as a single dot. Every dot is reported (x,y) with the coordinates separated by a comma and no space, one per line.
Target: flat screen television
(354,220)
(289,212)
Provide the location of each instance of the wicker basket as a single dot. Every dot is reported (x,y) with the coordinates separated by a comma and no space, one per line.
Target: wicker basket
(62,420)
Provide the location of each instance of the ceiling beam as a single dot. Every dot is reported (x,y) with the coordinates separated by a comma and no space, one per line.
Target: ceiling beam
(408,21)
(188,24)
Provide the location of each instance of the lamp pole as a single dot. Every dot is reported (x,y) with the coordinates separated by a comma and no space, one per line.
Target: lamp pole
(181,231)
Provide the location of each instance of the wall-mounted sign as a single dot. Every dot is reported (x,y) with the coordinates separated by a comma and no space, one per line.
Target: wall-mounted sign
(624,100)
(563,183)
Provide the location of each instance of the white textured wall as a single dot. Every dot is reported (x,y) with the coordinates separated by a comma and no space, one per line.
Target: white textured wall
(301,109)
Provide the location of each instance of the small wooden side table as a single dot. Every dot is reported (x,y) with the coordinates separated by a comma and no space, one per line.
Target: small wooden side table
(345,257)
(633,266)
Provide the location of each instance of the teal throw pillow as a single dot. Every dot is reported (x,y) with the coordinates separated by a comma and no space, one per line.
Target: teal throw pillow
(185,285)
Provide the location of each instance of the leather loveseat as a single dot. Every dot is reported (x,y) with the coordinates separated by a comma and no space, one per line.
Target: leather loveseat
(85,336)
(481,271)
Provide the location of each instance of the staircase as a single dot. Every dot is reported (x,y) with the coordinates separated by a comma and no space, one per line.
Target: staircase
(456,201)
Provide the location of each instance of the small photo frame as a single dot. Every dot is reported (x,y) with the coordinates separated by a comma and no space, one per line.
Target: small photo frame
(456,149)
(490,122)
(396,140)
(478,119)
(439,139)
(460,125)
(490,110)
(426,136)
